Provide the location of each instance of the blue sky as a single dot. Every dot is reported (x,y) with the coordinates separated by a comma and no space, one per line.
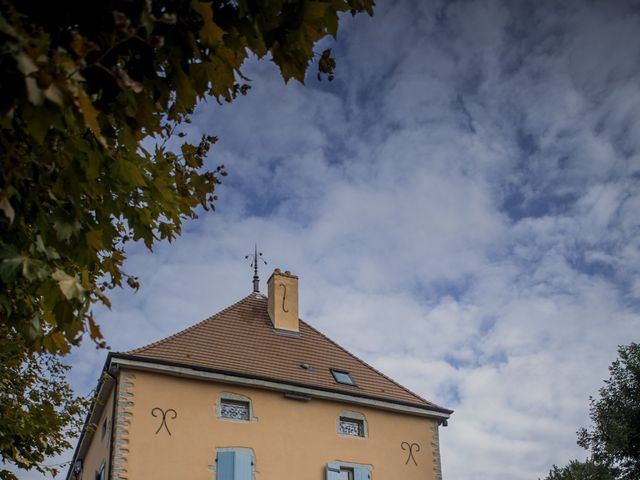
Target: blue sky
(461,205)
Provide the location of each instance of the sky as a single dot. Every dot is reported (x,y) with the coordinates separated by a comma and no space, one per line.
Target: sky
(460,204)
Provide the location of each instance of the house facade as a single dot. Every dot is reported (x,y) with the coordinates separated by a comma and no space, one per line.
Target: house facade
(254,393)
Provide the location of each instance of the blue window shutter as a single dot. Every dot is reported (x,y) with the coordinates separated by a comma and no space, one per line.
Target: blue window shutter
(244,466)
(360,473)
(333,471)
(225,464)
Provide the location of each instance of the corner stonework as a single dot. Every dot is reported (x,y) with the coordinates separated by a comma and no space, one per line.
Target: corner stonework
(123,419)
(435,448)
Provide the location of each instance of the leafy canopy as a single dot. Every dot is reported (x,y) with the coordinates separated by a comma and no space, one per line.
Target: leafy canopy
(39,412)
(81,85)
(614,438)
(576,470)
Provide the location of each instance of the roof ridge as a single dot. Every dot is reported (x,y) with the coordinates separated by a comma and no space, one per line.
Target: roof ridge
(188,329)
(367,365)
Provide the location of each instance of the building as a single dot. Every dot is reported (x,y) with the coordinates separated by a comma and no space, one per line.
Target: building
(254,393)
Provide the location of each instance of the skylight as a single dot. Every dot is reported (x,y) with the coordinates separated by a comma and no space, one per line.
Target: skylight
(342,377)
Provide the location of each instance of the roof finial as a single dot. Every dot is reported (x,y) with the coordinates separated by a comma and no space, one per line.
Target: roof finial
(257,256)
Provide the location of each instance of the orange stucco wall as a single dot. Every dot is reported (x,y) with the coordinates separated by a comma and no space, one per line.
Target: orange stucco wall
(98,451)
(291,440)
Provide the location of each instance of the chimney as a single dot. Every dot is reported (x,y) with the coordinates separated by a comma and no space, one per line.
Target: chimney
(283,300)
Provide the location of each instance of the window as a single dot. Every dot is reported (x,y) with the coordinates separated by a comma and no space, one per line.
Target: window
(77,470)
(100,473)
(342,377)
(346,473)
(339,471)
(234,464)
(352,424)
(104,429)
(235,410)
(232,406)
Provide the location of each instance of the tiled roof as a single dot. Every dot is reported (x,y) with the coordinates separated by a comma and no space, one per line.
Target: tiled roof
(240,340)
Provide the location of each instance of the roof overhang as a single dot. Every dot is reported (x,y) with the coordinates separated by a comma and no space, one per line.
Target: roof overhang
(187,371)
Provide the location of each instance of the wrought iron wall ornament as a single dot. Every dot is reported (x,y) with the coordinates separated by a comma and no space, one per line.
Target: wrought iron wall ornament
(411,447)
(163,423)
(284,297)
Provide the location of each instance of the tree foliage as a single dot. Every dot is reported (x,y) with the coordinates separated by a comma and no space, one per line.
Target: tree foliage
(576,470)
(614,438)
(38,411)
(81,85)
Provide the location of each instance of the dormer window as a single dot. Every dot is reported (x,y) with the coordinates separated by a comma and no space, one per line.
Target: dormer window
(343,377)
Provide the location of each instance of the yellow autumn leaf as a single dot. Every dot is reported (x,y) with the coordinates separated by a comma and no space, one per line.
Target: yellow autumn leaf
(210,33)
(94,329)
(60,342)
(90,114)
(69,286)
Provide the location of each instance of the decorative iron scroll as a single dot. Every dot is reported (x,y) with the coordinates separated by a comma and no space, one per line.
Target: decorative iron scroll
(234,410)
(351,427)
(284,297)
(410,447)
(163,423)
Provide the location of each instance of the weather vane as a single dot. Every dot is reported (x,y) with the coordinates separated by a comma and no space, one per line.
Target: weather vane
(257,258)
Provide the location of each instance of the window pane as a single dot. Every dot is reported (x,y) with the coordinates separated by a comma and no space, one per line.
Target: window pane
(342,377)
(346,474)
(235,410)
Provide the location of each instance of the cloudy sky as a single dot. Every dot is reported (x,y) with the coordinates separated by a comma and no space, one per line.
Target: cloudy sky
(461,205)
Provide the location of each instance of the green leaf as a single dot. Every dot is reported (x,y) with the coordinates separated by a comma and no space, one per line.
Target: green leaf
(33,269)
(94,238)
(9,267)
(65,229)
(69,286)
(6,207)
(185,94)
